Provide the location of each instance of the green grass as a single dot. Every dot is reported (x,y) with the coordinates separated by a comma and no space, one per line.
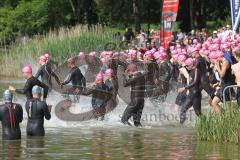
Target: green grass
(60,44)
(216,128)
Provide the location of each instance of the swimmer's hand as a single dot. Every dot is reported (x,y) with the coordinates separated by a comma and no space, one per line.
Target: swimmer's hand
(180,90)
(11,88)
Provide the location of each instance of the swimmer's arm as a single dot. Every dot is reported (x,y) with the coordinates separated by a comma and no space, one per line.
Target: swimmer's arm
(47,114)
(69,79)
(25,88)
(55,77)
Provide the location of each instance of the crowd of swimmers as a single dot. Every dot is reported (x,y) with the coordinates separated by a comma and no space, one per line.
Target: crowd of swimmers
(210,64)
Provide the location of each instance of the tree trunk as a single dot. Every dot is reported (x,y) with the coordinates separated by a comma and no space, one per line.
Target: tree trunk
(191,10)
(136,15)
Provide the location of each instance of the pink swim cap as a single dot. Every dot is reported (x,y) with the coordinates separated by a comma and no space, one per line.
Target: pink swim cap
(178,46)
(161,57)
(92,54)
(132,53)
(99,77)
(109,72)
(156,55)
(148,54)
(212,55)
(132,67)
(27,69)
(81,56)
(195,41)
(226,46)
(110,53)
(43,58)
(189,61)
(71,61)
(153,50)
(47,56)
(195,51)
(182,58)
(179,50)
(174,52)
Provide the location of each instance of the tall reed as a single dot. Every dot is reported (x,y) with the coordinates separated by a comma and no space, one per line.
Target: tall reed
(219,128)
(61,43)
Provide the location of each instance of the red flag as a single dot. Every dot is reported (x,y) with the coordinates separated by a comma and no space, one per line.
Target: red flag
(169,15)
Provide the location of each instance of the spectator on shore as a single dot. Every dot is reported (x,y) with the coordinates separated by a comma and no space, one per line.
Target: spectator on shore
(129,35)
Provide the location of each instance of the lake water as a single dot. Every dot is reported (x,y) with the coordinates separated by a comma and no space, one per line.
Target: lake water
(160,138)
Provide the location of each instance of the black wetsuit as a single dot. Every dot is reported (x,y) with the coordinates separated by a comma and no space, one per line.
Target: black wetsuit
(152,69)
(164,72)
(135,107)
(76,78)
(31,82)
(194,97)
(112,85)
(11,115)
(181,97)
(36,111)
(45,71)
(203,66)
(99,99)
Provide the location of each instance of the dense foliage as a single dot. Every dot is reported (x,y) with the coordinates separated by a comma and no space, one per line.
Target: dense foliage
(29,17)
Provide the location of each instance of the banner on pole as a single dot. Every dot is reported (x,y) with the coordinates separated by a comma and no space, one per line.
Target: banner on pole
(169,16)
(235,6)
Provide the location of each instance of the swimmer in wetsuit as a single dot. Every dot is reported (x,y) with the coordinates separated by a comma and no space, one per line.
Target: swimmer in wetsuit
(111,81)
(45,72)
(134,109)
(31,81)
(36,111)
(195,96)
(75,77)
(11,115)
(204,67)
(97,99)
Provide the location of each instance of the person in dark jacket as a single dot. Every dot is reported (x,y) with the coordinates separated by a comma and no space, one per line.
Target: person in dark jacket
(45,72)
(31,81)
(36,111)
(11,115)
